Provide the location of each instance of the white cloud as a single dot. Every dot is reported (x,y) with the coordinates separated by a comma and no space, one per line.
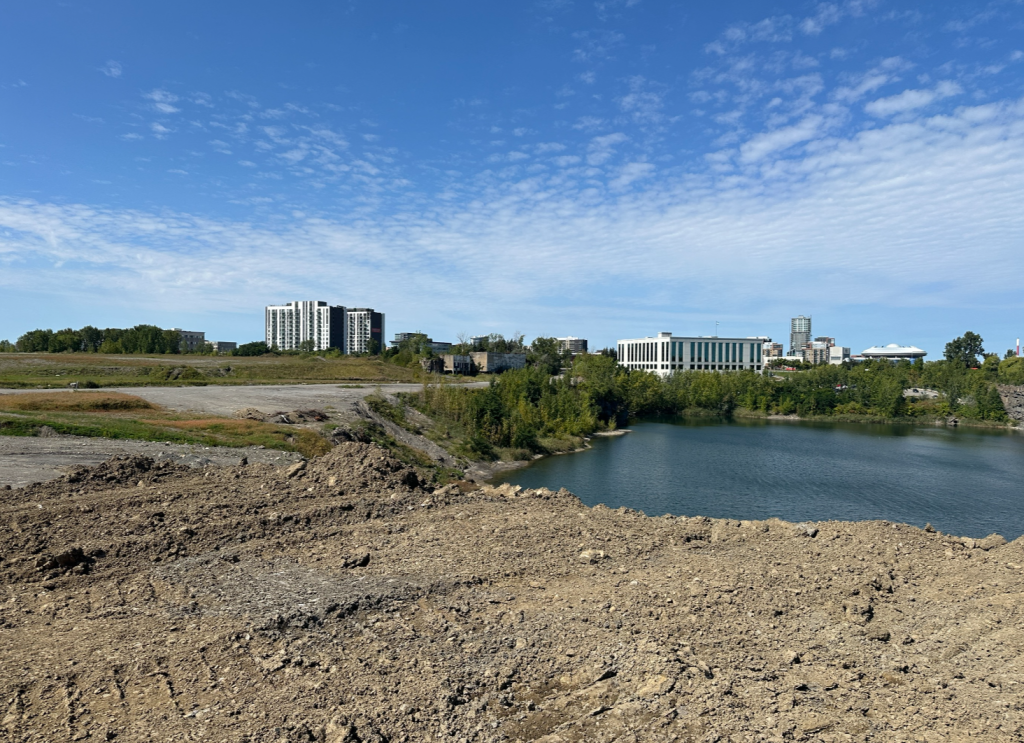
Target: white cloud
(596,45)
(294,156)
(601,149)
(629,174)
(892,215)
(587,123)
(910,100)
(762,145)
(130,136)
(162,101)
(112,68)
(643,103)
(159,130)
(833,12)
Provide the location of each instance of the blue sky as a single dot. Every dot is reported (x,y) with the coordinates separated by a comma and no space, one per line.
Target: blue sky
(602,169)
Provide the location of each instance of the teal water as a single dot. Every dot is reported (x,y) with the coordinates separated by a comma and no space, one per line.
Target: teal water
(962,481)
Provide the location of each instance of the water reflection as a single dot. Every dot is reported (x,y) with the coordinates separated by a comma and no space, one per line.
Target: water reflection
(963,481)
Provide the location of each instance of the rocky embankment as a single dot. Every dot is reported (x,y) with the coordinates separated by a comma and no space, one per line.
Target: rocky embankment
(341,601)
(1012,396)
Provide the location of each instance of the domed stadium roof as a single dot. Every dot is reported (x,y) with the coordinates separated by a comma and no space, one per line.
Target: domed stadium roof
(894,351)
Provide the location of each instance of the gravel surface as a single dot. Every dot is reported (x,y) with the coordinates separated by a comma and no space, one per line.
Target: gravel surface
(28,459)
(24,460)
(341,601)
(224,400)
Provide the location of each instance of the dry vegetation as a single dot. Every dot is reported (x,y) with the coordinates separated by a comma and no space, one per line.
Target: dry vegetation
(58,370)
(120,416)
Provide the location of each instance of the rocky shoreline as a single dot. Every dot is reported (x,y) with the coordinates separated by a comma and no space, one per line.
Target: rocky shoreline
(342,600)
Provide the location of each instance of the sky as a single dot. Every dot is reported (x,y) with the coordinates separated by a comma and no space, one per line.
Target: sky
(605,169)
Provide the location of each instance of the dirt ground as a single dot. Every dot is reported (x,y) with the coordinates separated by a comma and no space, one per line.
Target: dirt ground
(269,398)
(28,459)
(340,601)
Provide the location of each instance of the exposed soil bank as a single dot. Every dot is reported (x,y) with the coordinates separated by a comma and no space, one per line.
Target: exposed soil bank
(340,601)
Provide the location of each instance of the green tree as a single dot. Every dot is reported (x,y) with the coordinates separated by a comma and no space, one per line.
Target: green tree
(990,367)
(965,350)
(7,347)
(34,341)
(1011,370)
(256,348)
(545,354)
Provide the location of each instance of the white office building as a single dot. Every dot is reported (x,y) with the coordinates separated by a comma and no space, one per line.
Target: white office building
(667,353)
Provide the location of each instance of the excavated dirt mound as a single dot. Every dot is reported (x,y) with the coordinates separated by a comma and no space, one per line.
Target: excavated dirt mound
(338,600)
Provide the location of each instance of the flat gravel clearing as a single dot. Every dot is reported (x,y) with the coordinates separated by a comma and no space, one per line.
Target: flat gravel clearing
(226,399)
(28,459)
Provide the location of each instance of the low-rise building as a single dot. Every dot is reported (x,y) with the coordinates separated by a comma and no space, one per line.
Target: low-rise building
(224,346)
(438,347)
(572,344)
(458,364)
(816,352)
(838,354)
(773,350)
(487,362)
(191,340)
(667,353)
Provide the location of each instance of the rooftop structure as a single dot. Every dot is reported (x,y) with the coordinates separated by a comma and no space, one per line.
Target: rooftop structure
(894,352)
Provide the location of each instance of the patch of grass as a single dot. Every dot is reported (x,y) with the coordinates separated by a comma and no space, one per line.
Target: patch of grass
(385,409)
(77,401)
(17,427)
(45,370)
(158,425)
(552,445)
(513,455)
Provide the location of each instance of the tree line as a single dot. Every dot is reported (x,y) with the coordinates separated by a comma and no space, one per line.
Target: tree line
(139,339)
(521,408)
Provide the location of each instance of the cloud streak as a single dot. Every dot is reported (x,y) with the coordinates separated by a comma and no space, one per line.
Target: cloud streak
(883,214)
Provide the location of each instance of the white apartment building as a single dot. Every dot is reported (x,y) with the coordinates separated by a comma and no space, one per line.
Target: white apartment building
(350,330)
(288,325)
(667,353)
(362,326)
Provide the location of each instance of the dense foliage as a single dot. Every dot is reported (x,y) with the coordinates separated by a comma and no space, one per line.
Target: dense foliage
(521,408)
(140,339)
(256,348)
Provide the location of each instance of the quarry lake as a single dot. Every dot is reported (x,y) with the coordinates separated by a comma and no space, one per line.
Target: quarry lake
(967,482)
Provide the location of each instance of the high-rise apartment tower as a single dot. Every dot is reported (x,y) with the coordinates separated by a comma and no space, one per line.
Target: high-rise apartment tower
(350,330)
(799,333)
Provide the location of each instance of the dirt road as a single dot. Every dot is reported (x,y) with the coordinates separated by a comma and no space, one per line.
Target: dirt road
(343,602)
